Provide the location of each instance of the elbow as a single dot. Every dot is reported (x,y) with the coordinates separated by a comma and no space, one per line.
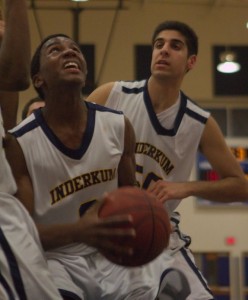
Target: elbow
(18,84)
(22,84)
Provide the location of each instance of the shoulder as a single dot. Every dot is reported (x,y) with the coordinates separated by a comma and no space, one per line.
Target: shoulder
(24,126)
(101,93)
(194,110)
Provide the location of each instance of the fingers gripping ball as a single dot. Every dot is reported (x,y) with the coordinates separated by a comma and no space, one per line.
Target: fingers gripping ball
(150,219)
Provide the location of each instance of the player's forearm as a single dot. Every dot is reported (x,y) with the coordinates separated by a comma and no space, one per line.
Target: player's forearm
(15,47)
(225,190)
(58,235)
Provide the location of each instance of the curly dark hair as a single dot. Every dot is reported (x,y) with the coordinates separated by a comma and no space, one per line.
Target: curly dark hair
(184,29)
(35,62)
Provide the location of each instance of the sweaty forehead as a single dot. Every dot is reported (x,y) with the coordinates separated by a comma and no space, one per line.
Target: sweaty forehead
(170,35)
(57,40)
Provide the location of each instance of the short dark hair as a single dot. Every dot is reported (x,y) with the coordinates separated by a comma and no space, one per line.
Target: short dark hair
(28,104)
(35,62)
(184,29)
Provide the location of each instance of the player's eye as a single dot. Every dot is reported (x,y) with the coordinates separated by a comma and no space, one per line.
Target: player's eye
(158,44)
(177,45)
(77,49)
(54,50)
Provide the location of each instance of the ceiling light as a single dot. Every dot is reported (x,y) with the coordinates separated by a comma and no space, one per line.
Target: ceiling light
(79,0)
(228,63)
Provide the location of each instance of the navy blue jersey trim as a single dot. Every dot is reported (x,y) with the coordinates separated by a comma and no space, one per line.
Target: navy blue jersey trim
(139,169)
(26,128)
(72,153)
(195,269)
(127,90)
(98,107)
(182,110)
(6,287)
(69,295)
(196,116)
(13,266)
(154,120)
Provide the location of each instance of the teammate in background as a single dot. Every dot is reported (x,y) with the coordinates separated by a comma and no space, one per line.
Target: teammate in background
(169,130)
(24,272)
(66,155)
(31,105)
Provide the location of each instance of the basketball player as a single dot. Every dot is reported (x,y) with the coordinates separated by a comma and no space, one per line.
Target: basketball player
(24,272)
(170,129)
(66,155)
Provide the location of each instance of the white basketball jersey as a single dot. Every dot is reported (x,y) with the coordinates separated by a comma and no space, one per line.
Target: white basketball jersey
(24,272)
(65,181)
(166,143)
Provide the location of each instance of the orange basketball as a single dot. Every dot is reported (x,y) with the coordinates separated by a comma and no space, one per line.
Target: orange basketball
(150,220)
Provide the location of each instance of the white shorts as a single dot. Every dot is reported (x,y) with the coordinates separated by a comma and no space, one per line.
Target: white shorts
(24,272)
(183,260)
(94,277)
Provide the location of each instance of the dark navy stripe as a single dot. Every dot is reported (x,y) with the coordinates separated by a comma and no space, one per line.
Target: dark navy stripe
(195,269)
(69,295)
(72,153)
(127,90)
(13,266)
(6,287)
(89,131)
(196,116)
(26,128)
(153,117)
(139,169)
(98,107)
(181,112)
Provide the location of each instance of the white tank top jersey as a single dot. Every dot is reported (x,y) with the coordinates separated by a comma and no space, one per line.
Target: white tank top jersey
(24,272)
(166,143)
(66,181)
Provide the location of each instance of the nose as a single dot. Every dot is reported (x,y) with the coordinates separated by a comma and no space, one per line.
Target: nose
(165,49)
(69,52)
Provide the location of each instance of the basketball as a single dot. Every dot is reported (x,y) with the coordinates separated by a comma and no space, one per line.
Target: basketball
(150,219)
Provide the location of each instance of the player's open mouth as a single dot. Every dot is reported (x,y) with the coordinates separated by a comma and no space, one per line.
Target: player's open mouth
(71,65)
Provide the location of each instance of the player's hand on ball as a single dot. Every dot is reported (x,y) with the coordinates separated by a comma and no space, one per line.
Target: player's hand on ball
(150,220)
(103,233)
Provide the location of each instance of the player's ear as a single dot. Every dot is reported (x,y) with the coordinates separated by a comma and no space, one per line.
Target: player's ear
(37,81)
(191,62)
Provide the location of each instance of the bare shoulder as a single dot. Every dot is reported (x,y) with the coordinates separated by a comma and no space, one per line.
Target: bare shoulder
(101,94)
(212,134)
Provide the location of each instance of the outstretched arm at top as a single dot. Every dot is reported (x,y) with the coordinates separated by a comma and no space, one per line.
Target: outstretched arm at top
(9,106)
(15,46)
(232,185)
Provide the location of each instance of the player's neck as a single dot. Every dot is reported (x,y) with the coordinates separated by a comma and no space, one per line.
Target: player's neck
(162,95)
(65,113)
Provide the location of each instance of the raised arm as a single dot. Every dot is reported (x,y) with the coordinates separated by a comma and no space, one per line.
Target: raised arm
(15,46)
(9,106)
